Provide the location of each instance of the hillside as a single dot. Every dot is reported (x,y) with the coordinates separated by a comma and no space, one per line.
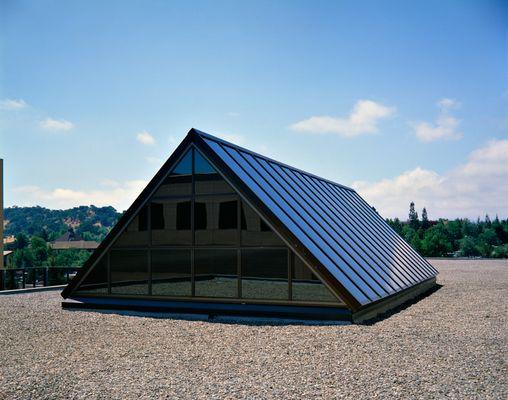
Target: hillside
(92,223)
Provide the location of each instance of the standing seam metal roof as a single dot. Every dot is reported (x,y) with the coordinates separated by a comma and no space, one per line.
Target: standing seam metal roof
(349,238)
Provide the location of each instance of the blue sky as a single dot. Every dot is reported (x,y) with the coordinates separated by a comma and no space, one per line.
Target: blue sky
(401,100)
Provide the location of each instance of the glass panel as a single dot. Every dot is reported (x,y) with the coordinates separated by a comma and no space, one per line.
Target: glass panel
(136,233)
(171,272)
(171,222)
(184,167)
(96,282)
(249,176)
(179,181)
(207,180)
(255,232)
(307,286)
(216,220)
(265,274)
(129,272)
(216,273)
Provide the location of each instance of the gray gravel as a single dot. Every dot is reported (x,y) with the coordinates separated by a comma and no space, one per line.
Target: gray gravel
(451,344)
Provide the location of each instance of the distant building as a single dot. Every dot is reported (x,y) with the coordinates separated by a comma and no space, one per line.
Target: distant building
(6,255)
(72,240)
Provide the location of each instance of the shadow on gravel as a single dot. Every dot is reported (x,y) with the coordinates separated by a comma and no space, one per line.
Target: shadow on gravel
(216,319)
(402,307)
(255,321)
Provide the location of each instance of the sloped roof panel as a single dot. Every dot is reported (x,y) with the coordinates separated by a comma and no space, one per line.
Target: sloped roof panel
(333,222)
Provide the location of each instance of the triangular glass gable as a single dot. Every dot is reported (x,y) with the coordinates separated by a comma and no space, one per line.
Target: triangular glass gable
(195,237)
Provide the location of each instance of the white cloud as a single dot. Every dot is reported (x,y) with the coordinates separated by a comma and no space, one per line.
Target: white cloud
(118,195)
(472,189)
(232,114)
(445,127)
(12,104)
(364,118)
(145,138)
(50,124)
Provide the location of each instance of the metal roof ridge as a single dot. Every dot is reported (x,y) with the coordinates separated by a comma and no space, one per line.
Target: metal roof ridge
(237,147)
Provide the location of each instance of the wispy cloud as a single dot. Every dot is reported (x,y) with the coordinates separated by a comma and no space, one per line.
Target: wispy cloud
(50,124)
(145,138)
(445,126)
(118,195)
(154,160)
(472,189)
(232,114)
(12,104)
(363,119)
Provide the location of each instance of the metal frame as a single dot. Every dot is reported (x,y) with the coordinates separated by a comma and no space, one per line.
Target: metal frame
(193,246)
(352,240)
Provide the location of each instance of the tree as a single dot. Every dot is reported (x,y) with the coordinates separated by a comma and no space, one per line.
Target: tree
(39,250)
(22,240)
(413,217)
(488,223)
(411,236)
(425,219)
(395,224)
(468,247)
(435,242)
(500,251)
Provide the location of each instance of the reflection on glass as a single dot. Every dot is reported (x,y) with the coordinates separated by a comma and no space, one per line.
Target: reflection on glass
(179,181)
(307,287)
(136,233)
(255,232)
(129,272)
(96,282)
(207,180)
(216,220)
(265,274)
(216,273)
(171,222)
(171,272)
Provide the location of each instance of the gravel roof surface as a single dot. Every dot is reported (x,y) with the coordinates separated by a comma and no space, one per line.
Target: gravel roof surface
(451,344)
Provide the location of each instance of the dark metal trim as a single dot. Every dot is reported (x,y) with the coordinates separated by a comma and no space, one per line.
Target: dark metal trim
(292,311)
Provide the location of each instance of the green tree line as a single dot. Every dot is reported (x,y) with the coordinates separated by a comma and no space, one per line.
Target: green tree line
(460,237)
(34,251)
(35,227)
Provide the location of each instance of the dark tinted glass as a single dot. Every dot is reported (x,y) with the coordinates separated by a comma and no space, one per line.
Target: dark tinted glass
(200,217)
(228,214)
(96,282)
(179,181)
(307,287)
(255,232)
(129,272)
(183,215)
(171,222)
(201,165)
(265,274)
(157,216)
(184,167)
(216,273)
(171,272)
(136,233)
(207,180)
(216,220)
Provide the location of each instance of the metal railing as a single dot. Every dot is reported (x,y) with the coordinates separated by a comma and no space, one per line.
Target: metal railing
(21,278)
